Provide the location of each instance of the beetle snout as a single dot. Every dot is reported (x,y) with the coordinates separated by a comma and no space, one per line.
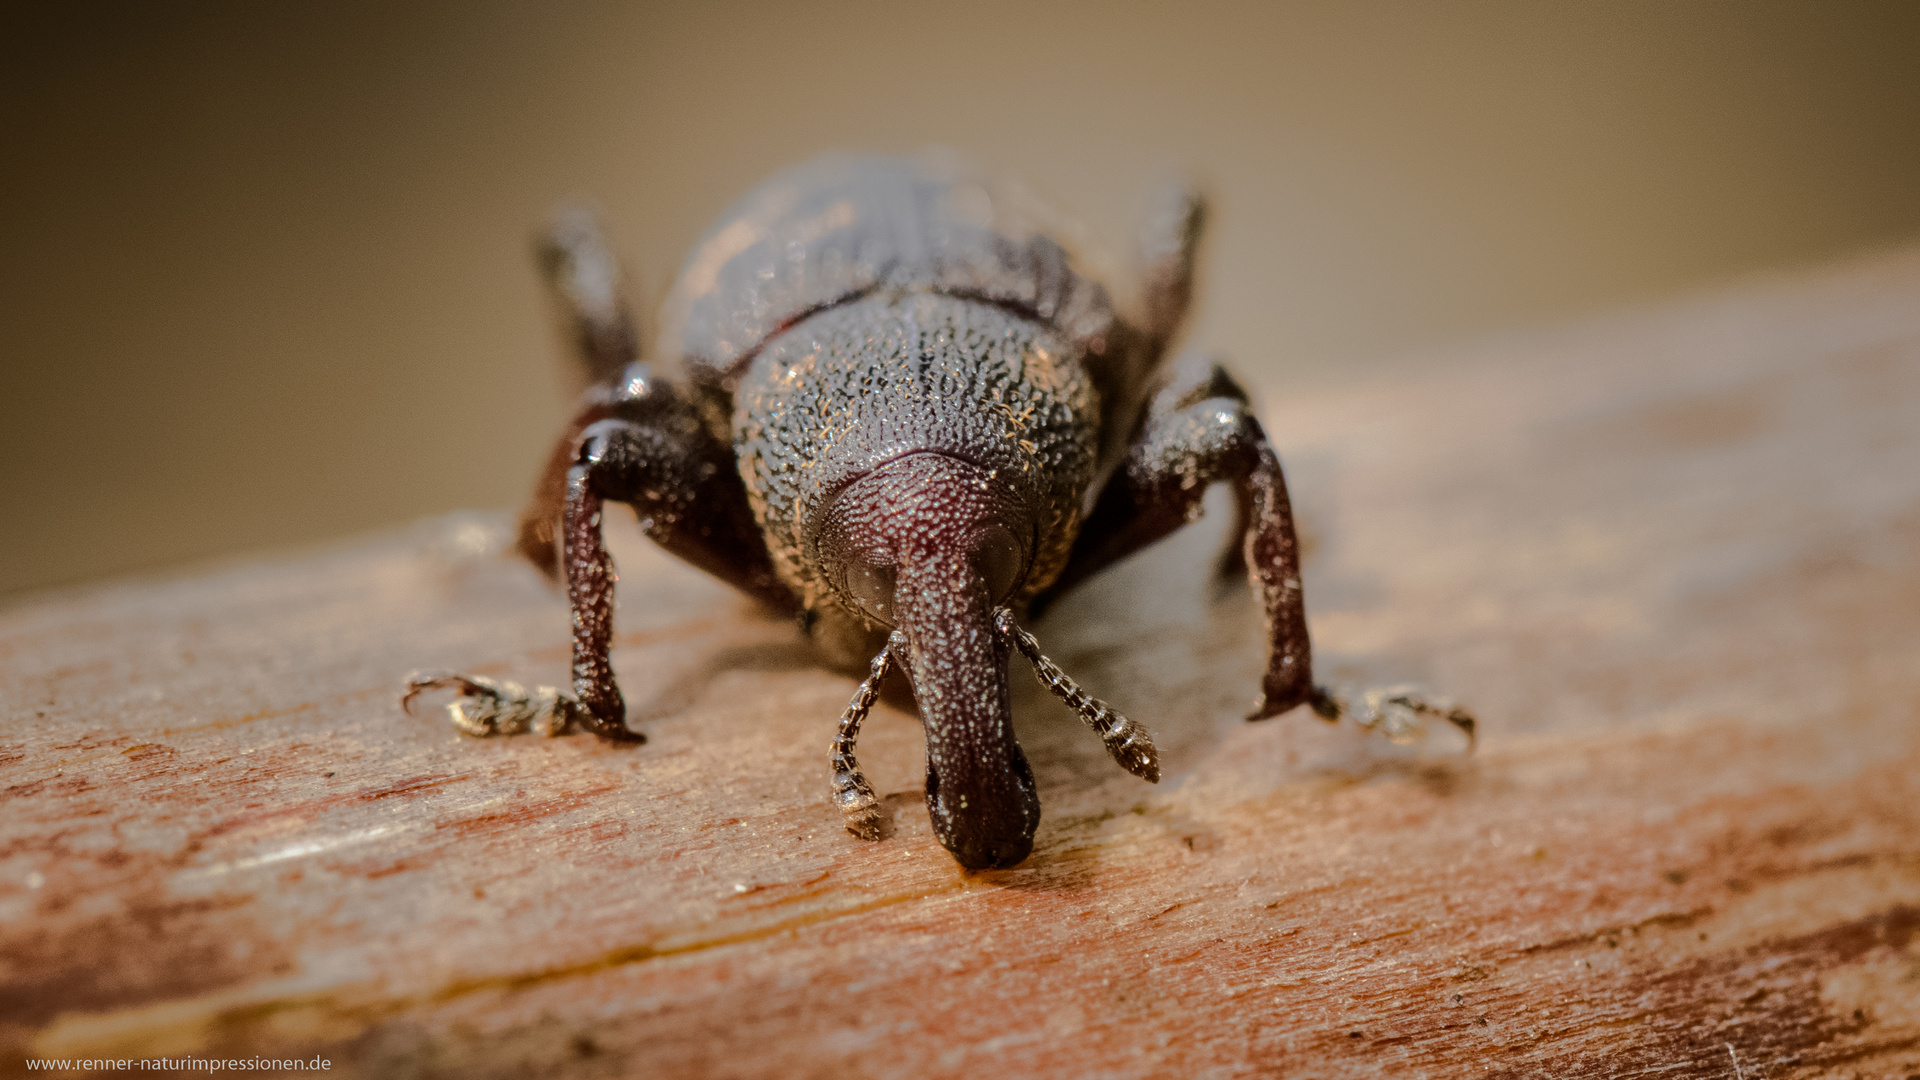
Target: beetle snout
(986,828)
(980,790)
(932,545)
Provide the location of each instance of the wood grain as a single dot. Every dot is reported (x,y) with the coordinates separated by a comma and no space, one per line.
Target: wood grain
(1672,558)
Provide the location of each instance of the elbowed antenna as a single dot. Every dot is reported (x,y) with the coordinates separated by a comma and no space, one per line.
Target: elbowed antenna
(1128,741)
(931,545)
(852,795)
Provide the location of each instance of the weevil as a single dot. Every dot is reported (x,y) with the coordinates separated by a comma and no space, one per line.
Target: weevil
(891,402)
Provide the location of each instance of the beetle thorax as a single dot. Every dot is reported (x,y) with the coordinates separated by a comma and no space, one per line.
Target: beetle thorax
(870,382)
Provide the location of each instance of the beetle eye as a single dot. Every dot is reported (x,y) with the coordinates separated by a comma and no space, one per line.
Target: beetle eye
(998,557)
(872,587)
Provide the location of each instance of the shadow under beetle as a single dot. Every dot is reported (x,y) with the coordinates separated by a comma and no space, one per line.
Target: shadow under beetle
(905,414)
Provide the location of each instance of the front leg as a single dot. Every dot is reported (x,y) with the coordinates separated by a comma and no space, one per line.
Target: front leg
(590,577)
(1197,430)
(644,446)
(654,456)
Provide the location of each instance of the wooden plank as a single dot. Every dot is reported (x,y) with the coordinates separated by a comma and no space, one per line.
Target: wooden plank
(1672,558)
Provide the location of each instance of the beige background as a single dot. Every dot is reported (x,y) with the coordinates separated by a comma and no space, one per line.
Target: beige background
(264,276)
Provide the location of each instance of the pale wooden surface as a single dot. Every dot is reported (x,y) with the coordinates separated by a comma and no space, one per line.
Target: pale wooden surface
(1672,558)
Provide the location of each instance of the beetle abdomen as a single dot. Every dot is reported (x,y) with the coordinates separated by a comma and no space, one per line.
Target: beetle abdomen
(842,227)
(868,382)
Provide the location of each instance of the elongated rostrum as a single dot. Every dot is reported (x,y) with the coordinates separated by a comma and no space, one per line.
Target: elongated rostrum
(890,402)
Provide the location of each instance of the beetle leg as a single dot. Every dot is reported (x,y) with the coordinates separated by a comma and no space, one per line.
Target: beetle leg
(1169,239)
(538,539)
(489,707)
(1398,712)
(1196,430)
(580,269)
(851,792)
(1129,742)
(644,444)
(583,279)
(683,486)
(648,450)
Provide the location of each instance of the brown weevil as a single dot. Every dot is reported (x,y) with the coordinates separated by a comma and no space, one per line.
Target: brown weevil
(901,411)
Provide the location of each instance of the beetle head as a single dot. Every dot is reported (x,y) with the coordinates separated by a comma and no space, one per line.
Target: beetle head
(932,544)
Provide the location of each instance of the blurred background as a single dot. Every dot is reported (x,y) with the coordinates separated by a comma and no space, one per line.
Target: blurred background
(265,272)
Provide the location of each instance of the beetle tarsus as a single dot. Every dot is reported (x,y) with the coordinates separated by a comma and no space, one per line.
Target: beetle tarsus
(1399,712)
(851,793)
(1128,741)
(489,707)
